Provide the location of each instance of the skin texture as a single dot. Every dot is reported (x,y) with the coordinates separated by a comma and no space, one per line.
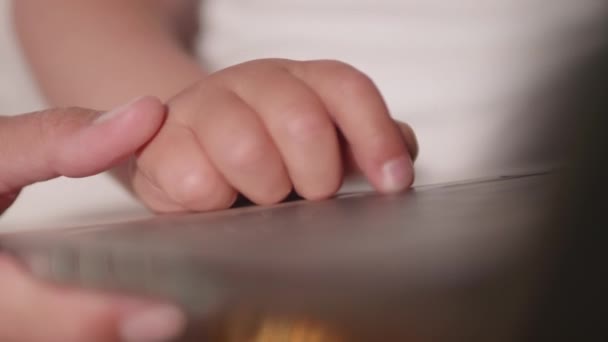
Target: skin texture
(259,129)
(73,142)
(233,139)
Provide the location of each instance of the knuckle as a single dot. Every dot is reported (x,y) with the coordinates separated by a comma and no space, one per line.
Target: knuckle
(355,85)
(307,126)
(332,64)
(234,75)
(247,150)
(190,103)
(198,192)
(265,63)
(349,80)
(191,188)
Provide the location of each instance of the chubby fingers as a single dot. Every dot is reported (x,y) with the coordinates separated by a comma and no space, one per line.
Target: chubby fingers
(266,127)
(307,106)
(298,123)
(173,173)
(376,142)
(213,147)
(239,145)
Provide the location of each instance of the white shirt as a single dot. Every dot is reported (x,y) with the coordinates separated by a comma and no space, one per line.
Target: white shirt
(457,71)
(460,72)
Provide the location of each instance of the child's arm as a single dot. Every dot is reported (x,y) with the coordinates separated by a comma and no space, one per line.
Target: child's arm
(118,48)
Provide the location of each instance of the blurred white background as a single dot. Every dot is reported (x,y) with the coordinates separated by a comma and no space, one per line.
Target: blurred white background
(17,92)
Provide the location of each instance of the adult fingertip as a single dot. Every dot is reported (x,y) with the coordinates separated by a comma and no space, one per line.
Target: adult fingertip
(161,323)
(109,139)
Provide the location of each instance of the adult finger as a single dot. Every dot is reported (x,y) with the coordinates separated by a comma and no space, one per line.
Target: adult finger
(33,311)
(72,142)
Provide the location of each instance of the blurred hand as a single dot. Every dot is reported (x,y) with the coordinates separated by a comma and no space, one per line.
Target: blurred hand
(266,127)
(73,142)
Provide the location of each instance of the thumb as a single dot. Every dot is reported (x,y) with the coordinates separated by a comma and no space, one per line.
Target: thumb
(72,142)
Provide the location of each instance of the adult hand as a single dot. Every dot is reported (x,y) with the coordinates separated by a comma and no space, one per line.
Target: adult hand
(74,142)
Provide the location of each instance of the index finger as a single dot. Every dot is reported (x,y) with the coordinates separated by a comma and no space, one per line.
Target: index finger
(378,145)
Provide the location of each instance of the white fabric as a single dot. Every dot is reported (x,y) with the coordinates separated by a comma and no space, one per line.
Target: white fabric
(458,71)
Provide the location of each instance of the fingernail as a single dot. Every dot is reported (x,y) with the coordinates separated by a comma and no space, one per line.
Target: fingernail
(121,110)
(159,324)
(396,174)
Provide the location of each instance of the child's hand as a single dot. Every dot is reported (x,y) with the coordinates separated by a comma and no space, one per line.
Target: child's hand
(266,127)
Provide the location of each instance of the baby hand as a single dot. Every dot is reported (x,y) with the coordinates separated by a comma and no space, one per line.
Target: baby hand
(267,127)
